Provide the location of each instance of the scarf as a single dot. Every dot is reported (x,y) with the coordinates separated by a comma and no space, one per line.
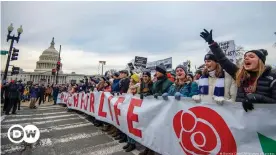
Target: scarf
(204,86)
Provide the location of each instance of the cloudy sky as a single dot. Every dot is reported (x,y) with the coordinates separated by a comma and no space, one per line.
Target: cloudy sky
(118,31)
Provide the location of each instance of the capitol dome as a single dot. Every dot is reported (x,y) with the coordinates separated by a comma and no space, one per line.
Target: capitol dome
(48,59)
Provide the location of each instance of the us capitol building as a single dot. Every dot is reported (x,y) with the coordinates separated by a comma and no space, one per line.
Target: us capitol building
(43,71)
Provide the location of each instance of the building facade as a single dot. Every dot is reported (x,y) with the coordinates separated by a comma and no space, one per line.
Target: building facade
(43,71)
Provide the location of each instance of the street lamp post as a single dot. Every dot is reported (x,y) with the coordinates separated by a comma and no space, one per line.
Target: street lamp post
(12,38)
(103,63)
(58,64)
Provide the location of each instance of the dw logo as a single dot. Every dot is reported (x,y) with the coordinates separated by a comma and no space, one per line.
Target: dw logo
(30,134)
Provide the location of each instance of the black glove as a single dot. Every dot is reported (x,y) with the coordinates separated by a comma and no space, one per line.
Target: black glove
(207,36)
(141,96)
(247,105)
(254,98)
(155,95)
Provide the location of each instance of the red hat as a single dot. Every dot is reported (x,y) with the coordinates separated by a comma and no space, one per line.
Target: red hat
(12,81)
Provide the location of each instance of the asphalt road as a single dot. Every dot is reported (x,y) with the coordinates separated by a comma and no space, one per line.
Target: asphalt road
(61,133)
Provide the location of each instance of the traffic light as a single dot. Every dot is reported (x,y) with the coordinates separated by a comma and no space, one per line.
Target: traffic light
(15,70)
(14,54)
(53,71)
(58,65)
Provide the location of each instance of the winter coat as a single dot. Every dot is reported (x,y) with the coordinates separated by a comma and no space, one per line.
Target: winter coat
(107,89)
(123,85)
(6,90)
(266,84)
(186,90)
(13,91)
(146,89)
(55,91)
(21,88)
(230,89)
(41,91)
(115,85)
(161,86)
(33,92)
(48,90)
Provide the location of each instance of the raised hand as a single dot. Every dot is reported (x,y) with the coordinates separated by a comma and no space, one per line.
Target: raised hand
(207,36)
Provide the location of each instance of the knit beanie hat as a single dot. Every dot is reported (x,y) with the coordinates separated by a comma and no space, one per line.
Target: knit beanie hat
(147,72)
(182,67)
(161,68)
(210,56)
(261,53)
(135,77)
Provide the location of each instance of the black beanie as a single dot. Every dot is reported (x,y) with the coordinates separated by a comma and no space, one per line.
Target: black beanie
(261,53)
(161,68)
(147,72)
(210,56)
(183,67)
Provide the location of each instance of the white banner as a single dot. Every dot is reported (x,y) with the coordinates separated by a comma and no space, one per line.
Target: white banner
(183,127)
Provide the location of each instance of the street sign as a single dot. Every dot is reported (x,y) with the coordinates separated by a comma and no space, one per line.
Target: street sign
(140,61)
(3,52)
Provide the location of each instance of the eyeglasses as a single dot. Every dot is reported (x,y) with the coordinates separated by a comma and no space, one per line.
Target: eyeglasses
(145,76)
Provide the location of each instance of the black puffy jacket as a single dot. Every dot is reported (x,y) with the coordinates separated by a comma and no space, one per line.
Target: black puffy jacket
(123,85)
(266,84)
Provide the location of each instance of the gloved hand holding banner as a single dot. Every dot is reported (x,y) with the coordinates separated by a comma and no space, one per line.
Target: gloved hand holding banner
(182,127)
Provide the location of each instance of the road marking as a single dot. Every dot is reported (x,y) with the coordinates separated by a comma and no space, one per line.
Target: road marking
(39,107)
(10,148)
(18,115)
(107,151)
(2,118)
(93,148)
(39,118)
(6,126)
(58,128)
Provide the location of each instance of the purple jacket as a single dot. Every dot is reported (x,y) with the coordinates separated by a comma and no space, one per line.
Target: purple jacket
(33,92)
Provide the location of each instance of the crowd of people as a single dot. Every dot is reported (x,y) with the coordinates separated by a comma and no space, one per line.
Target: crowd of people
(220,80)
(15,92)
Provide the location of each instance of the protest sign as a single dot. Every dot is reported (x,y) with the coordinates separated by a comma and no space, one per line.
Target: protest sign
(167,62)
(228,47)
(140,62)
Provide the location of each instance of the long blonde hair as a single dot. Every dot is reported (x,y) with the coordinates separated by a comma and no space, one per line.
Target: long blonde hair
(242,74)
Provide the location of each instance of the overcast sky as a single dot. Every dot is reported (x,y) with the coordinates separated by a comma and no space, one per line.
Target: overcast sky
(118,31)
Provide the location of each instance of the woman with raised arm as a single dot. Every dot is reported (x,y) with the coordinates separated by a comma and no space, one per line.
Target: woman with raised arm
(256,82)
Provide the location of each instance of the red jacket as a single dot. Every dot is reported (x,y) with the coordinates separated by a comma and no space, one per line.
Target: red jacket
(170,77)
(107,89)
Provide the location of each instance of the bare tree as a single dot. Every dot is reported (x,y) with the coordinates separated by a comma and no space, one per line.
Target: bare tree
(275,42)
(239,54)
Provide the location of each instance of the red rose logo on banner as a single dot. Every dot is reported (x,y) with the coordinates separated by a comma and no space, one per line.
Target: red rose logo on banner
(202,130)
